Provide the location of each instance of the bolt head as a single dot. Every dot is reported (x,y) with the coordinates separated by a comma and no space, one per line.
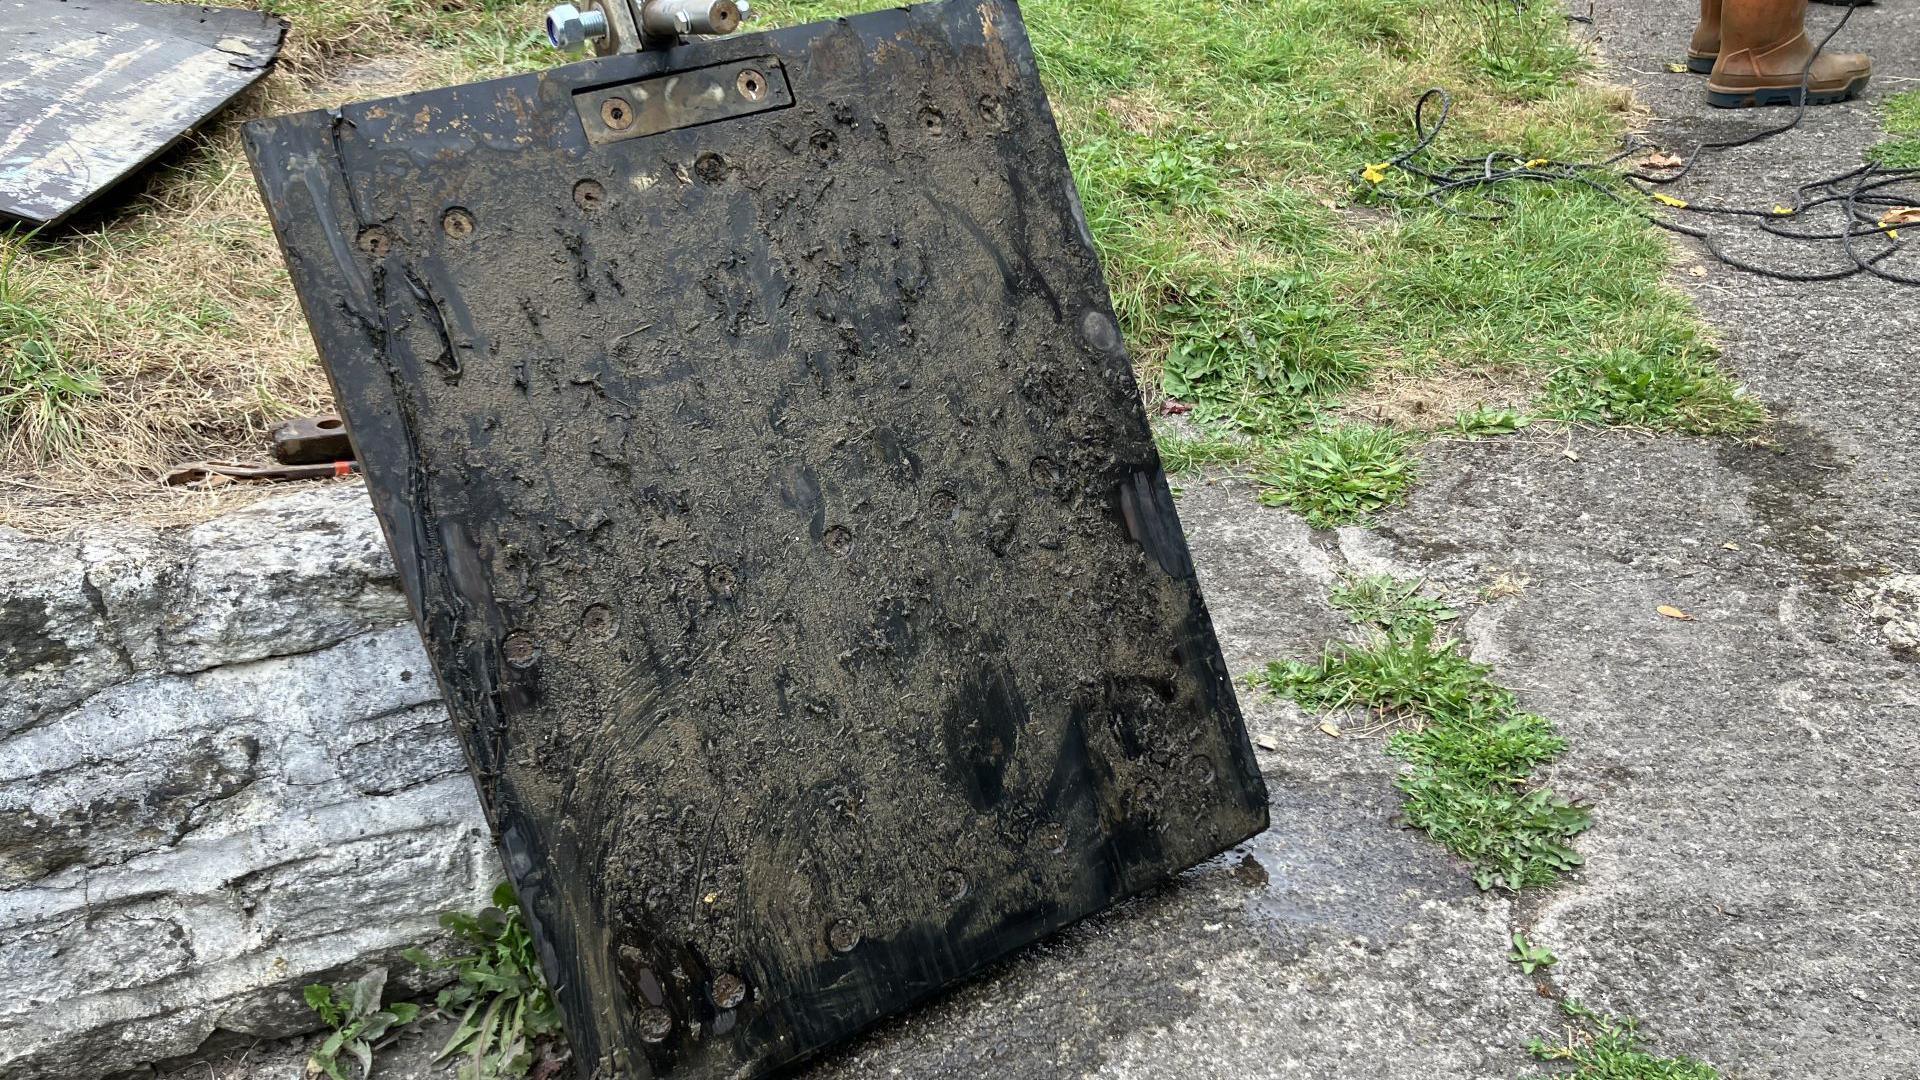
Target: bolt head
(569,28)
(564,29)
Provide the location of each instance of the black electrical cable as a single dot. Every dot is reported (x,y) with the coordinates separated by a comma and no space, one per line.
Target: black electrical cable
(1858,192)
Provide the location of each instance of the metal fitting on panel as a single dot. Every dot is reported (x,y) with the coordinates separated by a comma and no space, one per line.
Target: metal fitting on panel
(570,29)
(661,19)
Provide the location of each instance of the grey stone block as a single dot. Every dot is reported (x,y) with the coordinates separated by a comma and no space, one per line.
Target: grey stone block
(224,773)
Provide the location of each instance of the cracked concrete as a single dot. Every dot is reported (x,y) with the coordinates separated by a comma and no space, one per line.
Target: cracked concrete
(1752,888)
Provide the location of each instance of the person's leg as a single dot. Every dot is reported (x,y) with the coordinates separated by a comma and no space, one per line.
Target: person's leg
(1764,52)
(1705,47)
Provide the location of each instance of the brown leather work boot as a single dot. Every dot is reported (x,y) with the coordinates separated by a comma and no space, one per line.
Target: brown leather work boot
(1705,47)
(1764,51)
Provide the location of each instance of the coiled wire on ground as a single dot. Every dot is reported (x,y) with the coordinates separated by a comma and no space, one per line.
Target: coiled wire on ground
(1867,194)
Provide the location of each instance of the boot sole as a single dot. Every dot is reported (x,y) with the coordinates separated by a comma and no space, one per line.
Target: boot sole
(1782,95)
(1700,65)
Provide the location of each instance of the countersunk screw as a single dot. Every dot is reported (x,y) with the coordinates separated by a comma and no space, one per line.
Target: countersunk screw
(617,113)
(457,223)
(569,29)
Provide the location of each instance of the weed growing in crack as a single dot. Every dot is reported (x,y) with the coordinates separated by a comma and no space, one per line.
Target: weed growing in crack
(358,1021)
(1389,603)
(1529,956)
(505,1008)
(502,999)
(1469,747)
(1339,475)
(1608,1048)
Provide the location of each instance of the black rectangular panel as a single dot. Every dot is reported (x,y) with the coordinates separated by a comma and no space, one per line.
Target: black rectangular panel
(777,504)
(91,90)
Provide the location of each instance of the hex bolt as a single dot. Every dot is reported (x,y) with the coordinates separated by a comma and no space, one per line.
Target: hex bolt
(569,28)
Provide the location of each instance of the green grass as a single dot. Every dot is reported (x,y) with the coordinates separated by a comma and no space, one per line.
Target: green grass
(1339,475)
(1181,453)
(1601,1047)
(1903,123)
(471,37)
(1469,748)
(1214,144)
(41,382)
(1677,392)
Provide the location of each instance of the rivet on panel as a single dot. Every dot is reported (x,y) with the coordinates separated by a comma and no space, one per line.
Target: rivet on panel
(457,223)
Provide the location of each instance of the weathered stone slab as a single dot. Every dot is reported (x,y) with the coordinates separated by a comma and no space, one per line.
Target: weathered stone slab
(224,773)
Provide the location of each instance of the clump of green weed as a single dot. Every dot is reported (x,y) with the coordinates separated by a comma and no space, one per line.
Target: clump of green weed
(1529,955)
(1482,422)
(1673,391)
(1175,171)
(1388,603)
(1339,475)
(358,1021)
(501,997)
(1608,1048)
(1469,747)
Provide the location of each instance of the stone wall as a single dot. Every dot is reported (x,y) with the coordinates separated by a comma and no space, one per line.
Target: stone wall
(224,773)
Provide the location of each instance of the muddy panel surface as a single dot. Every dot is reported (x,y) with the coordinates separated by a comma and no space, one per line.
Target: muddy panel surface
(777,504)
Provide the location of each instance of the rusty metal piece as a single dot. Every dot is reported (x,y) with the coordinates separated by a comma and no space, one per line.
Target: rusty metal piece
(457,223)
(312,440)
(589,195)
(199,472)
(782,519)
(686,98)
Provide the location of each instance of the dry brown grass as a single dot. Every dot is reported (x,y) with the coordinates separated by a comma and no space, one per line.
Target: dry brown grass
(172,304)
(1435,400)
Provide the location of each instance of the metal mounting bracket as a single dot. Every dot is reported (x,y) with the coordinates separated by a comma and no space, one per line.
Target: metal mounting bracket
(617,26)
